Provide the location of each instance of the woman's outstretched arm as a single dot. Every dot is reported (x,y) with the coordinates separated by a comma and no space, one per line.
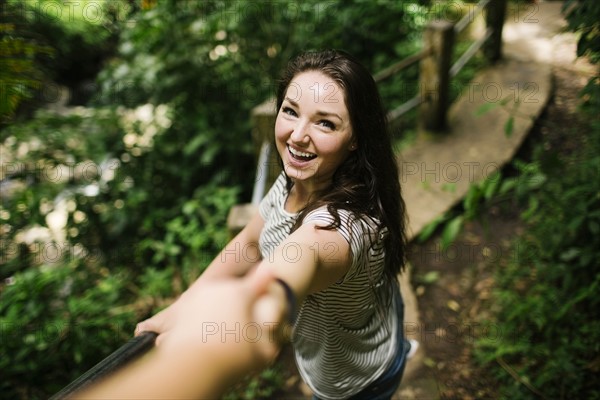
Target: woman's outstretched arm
(240,255)
(237,258)
(309,260)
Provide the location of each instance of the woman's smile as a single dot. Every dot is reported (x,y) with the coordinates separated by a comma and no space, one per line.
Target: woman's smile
(299,155)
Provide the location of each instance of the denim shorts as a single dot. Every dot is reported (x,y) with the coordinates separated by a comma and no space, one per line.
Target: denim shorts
(384,387)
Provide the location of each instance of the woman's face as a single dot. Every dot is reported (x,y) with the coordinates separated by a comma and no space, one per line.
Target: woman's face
(312,130)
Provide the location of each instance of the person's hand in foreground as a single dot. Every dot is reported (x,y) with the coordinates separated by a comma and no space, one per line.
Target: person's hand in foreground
(209,338)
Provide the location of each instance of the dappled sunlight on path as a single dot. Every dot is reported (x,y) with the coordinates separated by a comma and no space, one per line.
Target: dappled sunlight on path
(439,169)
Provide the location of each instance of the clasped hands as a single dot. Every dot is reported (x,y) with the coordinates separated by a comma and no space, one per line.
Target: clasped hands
(237,318)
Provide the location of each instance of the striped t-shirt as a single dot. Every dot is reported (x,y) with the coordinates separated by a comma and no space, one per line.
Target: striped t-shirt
(342,339)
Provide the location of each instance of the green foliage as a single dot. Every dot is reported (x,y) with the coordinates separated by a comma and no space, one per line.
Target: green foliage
(79,33)
(547,295)
(74,242)
(261,386)
(46,164)
(196,235)
(583,18)
(57,321)
(20,73)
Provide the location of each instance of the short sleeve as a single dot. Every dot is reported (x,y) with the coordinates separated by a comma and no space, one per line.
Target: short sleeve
(269,202)
(360,233)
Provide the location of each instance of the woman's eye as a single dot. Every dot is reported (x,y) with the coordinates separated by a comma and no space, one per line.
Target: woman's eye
(327,124)
(289,111)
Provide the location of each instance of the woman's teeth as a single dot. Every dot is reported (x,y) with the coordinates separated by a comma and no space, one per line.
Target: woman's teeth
(301,155)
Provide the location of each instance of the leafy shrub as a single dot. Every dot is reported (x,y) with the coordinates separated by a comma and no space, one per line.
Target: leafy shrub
(45,163)
(74,285)
(582,17)
(20,73)
(547,296)
(57,321)
(81,34)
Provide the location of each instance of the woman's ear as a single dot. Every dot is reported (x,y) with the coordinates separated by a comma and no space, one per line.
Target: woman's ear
(353,146)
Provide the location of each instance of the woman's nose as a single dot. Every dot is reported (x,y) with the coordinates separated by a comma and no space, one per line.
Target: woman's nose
(300,133)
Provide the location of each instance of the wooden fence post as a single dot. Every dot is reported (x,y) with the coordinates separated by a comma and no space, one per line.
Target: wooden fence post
(495,13)
(434,74)
(263,131)
(263,124)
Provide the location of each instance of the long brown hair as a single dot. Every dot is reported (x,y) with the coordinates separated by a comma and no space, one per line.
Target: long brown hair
(367,183)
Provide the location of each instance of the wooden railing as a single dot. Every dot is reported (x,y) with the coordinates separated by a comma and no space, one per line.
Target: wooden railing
(435,74)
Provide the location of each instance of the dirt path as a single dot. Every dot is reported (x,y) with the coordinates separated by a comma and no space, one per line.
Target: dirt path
(453,286)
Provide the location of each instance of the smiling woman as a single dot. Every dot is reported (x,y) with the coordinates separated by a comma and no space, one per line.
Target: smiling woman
(313,132)
(332,228)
